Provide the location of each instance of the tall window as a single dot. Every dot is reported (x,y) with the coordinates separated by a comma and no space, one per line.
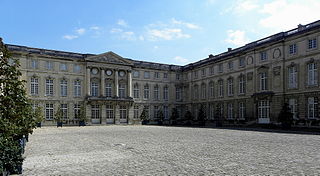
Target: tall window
(230,111)
(203,72)
(63,67)
(94,89)
(263,109)
(312,74)
(211,89)
(155,112)
(203,91)
(263,56)
(146,109)
(123,112)
(122,90)
(34,64)
(312,107)
(293,49)
(63,88)
(165,75)
(230,87)
(220,83)
(242,85)
(136,112)
(34,87)
(109,111)
(49,111)
(178,93)
(76,110)
(166,112)
(196,91)
(242,62)
(230,65)
(77,68)
(220,68)
(95,112)
(293,107)
(77,88)
(64,110)
(136,91)
(312,43)
(156,75)
(146,74)
(108,89)
(49,87)
(263,81)
(195,74)
(156,92)
(49,65)
(165,93)
(242,110)
(211,70)
(211,111)
(292,75)
(146,91)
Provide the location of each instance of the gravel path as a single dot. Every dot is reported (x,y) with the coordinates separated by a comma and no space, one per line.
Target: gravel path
(152,150)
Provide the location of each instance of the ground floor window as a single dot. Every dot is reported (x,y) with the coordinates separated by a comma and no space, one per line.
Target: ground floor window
(95,112)
(242,110)
(263,109)
(49,111)
(76,109)
(146,110)
(312,107)
(123,112)
(166,112)
(64,110)
(211,111)
(230,111)
(155,112)
(293,107)
(109,112)
(136,112)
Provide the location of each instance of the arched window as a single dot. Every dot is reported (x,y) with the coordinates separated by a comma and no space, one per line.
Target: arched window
(146,91)
(136,91)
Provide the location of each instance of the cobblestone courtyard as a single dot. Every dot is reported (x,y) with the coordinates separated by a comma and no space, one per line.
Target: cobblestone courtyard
(152,150)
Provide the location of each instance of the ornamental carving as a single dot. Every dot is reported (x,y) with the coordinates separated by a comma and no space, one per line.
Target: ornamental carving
(249,76)
(276,53)
(276,70)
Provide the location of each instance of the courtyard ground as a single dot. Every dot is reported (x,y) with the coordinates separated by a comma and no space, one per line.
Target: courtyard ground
(153,150)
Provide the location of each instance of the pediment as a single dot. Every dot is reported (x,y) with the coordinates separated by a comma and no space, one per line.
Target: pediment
(109,57)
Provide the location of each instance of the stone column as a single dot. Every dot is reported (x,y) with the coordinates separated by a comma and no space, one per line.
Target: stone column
(117,114)
(102,87)
(129,83)
(130,115)
(103,114)
(88,81)
(116,82)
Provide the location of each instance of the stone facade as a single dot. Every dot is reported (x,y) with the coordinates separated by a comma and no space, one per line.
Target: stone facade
(249,84)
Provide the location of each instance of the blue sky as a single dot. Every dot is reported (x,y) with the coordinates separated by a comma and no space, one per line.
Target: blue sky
(166,31)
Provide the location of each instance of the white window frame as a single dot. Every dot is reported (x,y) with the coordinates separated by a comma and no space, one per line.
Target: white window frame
(230,111)
(63,88)
(242,85)
(312,105)
(242,110)
(166,93)
(95,111)
(263,81)
(94,89)
(312,43)
(220,83)
(211,87)
(136,112)
(264,109)
(77,88)
(109,111)
(293,105)
(64,110)
(312,74)
(49,87)
(293,48)
(146,92)
(136,91)
(108,89)
(292,77)
(49,111)
(230,87)
(122,90)
(34,86)
(76,110)
(156,92)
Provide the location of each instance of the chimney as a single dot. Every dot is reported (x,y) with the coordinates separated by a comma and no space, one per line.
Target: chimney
(210,56)
(300,27)
(229,49)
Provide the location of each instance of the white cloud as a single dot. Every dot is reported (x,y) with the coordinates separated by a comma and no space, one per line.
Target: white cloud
(95,28)
(236,37)
(166,34)
(181,60)
(122,23)
(242,7)
(80,31)
(188,25)
(70,37)
(129,35)
(115,30)
(283,15)
(141,38)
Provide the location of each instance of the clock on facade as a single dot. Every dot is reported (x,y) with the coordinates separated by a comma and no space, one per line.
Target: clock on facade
(109,72)
(122,73)
(94,71)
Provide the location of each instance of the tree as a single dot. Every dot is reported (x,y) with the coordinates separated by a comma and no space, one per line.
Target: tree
(39,117)
(201,115)
(16,116)
(285,117)
(160,116)
(144,116)
(174,116)
(58,116)
(188,117)
(81,115)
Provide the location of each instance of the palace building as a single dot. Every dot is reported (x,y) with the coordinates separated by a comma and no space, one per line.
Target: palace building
(249,84)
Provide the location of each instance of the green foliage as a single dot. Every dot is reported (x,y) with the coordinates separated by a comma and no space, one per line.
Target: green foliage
(143,115)
(285,117)
(16,116)
(58,115)
(160,115)
(38,113)
(82,114)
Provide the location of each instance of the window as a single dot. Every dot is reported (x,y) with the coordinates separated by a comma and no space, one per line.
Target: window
(211,70)
(312,107)
(63,88)
(211,89)
(263,81)
(195,74)
(95,112)
(220,68)
(94,89)
(292,76)
(122,90)
(77,68)
(155,112)
(146,92)
(123,112)
(77,88)
(109,111)
(263,56)
(230,65)
(242,110)
(178,93)
(178,76)
(156,75)
(76,110)
(242,62)
(49,65)
(165,93)
(63,67)
(203,72)
(220,83)
(64,110)
(230,111)
(146,75)
(34,87)
(312,74)
(108,89)
(312,43)
(136,91)
(156,92)
(136,112)
(49,87)
(211,112)
(166,112)
(242,85)
(49,111)
(196,91)
(136,74)
(263,109)
(293,49)
(165,75)
(34,64)
(146,110)
(203,91)
(293,107)
(230,87)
